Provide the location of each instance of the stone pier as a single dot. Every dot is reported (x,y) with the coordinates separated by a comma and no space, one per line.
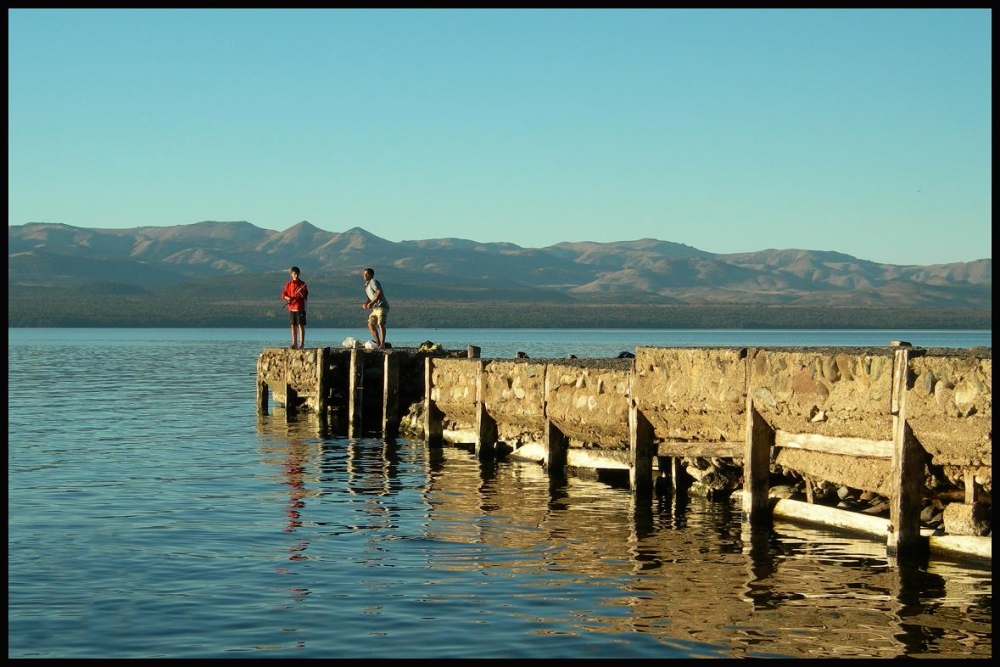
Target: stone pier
(910,426)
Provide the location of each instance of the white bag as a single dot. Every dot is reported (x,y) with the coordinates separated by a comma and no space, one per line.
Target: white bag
(350,342)
(370,345)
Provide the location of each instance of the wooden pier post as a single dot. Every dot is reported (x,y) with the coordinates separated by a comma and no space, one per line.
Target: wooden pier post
(682,478)
(486,426)
(556,449)
(322,386)
(641,452)
(556,442)
(390,395)
(757,467)
(907,473)
(291,396)
(356,392)
(433,418)
(262,390)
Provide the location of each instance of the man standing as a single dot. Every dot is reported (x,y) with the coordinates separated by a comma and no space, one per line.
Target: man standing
(378,305)
(295,295)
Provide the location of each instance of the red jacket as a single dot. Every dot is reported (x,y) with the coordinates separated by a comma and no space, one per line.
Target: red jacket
(297,292)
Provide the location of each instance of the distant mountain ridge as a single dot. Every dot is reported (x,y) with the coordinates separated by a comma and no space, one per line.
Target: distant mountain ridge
(638,271)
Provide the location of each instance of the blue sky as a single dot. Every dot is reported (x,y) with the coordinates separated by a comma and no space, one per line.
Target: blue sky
(867,132)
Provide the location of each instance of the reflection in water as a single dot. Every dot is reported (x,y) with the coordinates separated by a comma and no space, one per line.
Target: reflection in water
(569,555)
(294,445)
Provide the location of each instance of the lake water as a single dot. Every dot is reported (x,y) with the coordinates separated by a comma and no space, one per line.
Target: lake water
(153,514)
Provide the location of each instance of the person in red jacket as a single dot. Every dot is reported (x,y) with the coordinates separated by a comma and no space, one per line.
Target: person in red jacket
(295,295)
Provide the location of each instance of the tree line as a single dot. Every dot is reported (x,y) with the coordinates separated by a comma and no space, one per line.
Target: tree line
(53,307)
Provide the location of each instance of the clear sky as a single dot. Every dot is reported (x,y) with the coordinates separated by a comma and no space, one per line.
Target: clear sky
(867,132)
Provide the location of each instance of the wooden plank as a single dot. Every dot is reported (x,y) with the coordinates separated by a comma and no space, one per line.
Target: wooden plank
(970,545)
(708,449)
(814,442)
(831,516)
(595,458)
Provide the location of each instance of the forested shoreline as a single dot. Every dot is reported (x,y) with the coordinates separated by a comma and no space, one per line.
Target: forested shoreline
(53,308)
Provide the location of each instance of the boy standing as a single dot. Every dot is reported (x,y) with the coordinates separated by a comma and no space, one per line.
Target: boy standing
(295,295)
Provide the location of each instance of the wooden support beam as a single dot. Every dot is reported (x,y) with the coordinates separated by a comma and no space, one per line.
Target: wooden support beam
(757,467)
(556,449)
(718,449)
(486,427)
(390,395)
(291,401)
(663,485)
(814,442)
(597,459)
(907,472)
(356,390)
(831,516)
(556,442)
(322,386)
(433,417)
(679,476)
(641,452)
(966,545)
(262,396)
(971,488)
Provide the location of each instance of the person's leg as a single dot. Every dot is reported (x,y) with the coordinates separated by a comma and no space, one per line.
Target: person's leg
(302,336)
(373,329)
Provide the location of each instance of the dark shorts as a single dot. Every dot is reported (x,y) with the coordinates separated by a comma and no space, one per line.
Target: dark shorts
(296,317)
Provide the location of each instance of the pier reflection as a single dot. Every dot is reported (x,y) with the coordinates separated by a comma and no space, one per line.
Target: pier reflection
(682,569)
(293,447)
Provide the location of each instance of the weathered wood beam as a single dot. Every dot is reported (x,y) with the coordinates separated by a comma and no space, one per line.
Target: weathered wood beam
(881,449)
(708,449)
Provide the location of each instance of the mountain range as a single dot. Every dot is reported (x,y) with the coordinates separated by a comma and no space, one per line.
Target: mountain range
(646,270)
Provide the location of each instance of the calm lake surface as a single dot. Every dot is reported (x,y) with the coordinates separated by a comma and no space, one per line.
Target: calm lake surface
(153,514)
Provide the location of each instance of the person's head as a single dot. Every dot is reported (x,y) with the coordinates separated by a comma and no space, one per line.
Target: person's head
(294,271)
(368,273)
